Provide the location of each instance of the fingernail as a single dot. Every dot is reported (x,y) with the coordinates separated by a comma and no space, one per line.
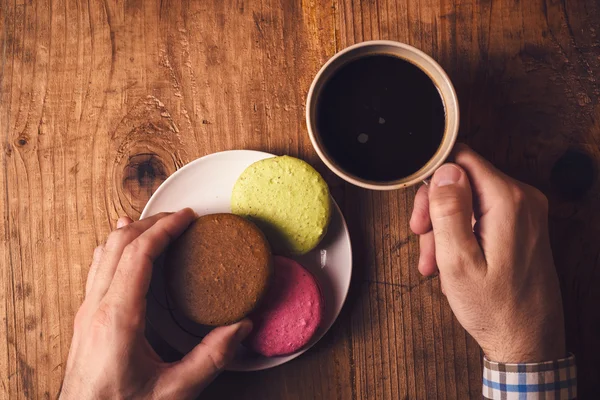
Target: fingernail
(244,329)
(447,174)
(186,210)
(121,222)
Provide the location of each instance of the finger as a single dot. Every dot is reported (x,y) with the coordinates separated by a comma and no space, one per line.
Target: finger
(420,222)
(96,259)
(427,265)
(451,208)
(134,270)
(123,221)
(113,249)
(200,366)
(489,185)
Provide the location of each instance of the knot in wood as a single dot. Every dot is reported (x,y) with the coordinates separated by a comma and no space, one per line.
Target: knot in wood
(143,173)
(573,174)
(146,146)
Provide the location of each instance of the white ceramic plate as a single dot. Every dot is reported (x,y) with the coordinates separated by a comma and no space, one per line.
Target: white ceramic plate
(205,185)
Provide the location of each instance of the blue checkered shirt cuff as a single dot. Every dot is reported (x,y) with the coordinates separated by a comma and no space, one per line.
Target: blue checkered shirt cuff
(556,380)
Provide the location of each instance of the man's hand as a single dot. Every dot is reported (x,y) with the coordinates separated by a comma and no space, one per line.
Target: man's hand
(110,356)
(488,236)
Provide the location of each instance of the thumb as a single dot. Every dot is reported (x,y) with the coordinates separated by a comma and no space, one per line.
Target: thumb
(200,366)
(451,211)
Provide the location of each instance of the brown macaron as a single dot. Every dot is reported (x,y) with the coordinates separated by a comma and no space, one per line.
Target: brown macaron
(219,269)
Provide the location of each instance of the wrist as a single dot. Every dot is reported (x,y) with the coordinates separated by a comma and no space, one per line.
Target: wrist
(547,349)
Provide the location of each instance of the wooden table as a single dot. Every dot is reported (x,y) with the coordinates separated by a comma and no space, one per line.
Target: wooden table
(101,101)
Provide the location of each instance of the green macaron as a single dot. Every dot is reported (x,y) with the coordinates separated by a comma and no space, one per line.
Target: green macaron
(287,199)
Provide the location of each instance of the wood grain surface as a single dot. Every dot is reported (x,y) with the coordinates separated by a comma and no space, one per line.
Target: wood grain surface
(100,101)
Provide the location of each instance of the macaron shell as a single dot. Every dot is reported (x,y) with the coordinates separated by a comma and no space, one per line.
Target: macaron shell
(288,199)
(290,314)
(219,269)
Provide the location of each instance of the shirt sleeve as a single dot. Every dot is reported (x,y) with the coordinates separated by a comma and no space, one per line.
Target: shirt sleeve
(556,380)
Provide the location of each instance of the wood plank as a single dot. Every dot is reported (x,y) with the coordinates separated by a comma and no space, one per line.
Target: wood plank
(101,101)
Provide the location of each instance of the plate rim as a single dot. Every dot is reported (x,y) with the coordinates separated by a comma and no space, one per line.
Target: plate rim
(290,357)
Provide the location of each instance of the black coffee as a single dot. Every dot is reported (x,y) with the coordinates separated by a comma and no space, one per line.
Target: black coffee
(380,118)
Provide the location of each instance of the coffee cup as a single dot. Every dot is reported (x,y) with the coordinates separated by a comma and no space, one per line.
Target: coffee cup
(382,115)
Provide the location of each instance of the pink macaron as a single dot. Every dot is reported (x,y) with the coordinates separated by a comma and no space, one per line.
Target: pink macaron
(291,311)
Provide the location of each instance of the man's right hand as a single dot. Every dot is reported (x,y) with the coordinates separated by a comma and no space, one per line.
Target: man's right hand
(487,234)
